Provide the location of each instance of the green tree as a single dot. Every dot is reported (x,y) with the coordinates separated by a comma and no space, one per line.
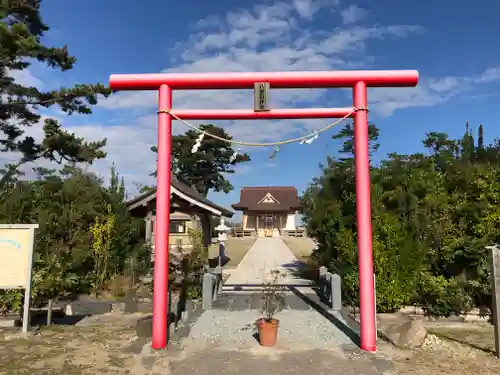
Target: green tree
(432,216)
(21,30)
(205,168)
(347,135)
(67,204)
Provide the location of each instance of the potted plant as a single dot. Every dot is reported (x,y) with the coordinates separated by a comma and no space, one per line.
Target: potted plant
(272,301)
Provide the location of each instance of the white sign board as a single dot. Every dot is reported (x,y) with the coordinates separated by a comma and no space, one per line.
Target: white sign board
(16,254)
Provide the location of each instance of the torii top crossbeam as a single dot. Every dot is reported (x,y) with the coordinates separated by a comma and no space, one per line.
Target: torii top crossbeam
(214,81)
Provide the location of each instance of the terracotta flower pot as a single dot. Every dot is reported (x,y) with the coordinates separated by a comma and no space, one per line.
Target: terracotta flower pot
(268,331)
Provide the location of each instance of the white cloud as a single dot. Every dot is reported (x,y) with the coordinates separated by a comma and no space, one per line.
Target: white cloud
(489,75)
(280,37)
(429,92)
(25,78)
(265,38)
(445,84)
(353,14)
(308,8)
(128,148)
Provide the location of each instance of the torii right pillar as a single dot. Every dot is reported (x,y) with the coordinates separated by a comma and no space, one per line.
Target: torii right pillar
(364,220)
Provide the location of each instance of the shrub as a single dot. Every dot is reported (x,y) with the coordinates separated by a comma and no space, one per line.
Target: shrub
(442,297)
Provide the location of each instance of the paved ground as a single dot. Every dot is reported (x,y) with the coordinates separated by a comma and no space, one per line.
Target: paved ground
(266,255)
(277,362)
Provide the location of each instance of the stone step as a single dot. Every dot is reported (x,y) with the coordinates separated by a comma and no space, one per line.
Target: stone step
(257,288)
(248,300)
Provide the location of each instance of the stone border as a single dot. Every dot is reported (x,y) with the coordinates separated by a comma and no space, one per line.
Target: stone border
(330,289)
(212,287)
(180,321)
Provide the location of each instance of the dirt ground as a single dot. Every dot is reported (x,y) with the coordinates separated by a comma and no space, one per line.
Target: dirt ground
(68,350)
(107,349)
(236,249)
(453,351)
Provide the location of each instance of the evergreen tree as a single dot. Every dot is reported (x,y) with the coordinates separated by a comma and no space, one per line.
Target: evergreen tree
(21,30)
(467,143)
(432,216)
(205,168)
(347,134)
(480,138)
(480,150)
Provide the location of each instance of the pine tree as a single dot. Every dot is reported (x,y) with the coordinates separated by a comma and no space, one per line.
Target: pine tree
(347,135)
(467,143)
(21,29)
(205,168)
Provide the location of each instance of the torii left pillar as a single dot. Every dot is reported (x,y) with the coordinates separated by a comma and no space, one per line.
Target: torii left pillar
(359,81)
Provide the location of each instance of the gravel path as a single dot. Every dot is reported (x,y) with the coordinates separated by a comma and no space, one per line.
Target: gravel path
(235,329)
(266,255)
(231,322)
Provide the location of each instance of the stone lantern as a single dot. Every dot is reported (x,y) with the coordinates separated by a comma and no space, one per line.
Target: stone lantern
(222,229)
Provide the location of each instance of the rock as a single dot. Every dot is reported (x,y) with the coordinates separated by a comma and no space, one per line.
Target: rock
(111,318)
(9,321)
(476,318)
(88,307)
(410,334)
(19,335)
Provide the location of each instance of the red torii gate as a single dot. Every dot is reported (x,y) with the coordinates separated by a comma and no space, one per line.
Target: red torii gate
(358,80)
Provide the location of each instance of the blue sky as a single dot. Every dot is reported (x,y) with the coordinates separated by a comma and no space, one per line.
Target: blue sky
(453,47)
